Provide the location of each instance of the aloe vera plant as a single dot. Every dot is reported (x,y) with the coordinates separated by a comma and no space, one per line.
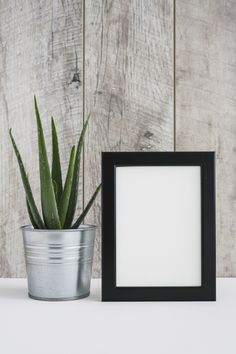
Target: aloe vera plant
(58,201)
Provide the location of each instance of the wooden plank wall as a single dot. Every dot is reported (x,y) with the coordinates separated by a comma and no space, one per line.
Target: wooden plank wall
(206,104)
(40,53)
(128,83)
(156,75)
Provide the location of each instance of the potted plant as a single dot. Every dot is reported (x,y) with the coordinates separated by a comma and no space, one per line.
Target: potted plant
(58,250)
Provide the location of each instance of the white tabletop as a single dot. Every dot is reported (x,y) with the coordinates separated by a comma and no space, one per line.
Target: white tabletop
(91,326)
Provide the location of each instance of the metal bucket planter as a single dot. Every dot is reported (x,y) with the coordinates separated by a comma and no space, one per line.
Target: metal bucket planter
(59,262)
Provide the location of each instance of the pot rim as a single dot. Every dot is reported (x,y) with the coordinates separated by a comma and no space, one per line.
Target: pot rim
(82,227)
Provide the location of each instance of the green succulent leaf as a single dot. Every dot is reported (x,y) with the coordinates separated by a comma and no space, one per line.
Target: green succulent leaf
(48,199)
(56,164)
(33,222)
(86,210)
(64,201)
(55,187)
(75,182)
(38,222)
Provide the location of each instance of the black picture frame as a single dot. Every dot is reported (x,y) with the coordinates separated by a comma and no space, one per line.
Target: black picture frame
(207,290)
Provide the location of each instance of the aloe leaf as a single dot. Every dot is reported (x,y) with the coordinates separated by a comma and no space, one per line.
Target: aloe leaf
(64,201)
(33,222)
(33,208)
(55,187)
(48,199)
(88,206)
(56,164)
(75,182)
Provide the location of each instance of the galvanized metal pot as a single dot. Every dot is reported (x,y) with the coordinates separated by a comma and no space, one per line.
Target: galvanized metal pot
(59,262)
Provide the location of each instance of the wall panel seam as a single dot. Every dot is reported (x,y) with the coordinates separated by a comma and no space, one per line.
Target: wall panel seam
(174,74)
(83,99)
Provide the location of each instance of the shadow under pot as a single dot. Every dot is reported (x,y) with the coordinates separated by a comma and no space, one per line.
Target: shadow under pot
(59,262)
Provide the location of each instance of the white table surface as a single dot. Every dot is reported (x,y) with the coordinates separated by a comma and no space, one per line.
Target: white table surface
(91,326)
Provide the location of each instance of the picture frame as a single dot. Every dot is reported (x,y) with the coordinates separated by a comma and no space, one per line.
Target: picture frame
(158,226)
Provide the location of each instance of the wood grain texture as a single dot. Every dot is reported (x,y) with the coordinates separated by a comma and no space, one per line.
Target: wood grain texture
(206,104)
(40,53)
(128,84)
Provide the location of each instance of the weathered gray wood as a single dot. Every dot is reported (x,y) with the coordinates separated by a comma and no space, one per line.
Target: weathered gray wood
(206,104)
(129,90)
(128,84)
(41,53)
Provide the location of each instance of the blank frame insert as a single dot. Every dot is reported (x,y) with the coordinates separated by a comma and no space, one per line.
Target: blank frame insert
(158,226)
